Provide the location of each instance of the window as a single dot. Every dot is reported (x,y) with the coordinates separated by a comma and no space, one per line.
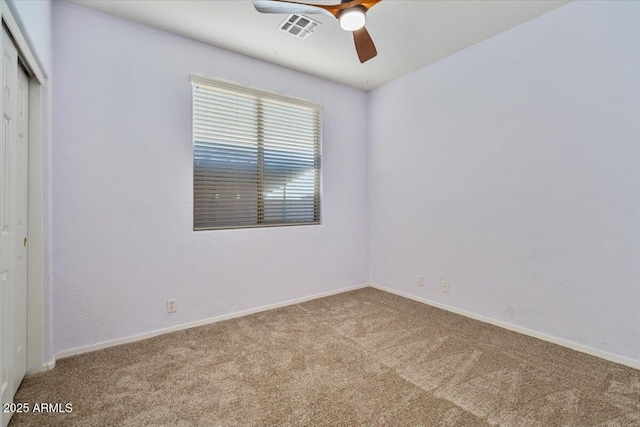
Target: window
(256,158)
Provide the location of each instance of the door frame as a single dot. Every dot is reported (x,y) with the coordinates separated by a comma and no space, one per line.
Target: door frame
(35,235)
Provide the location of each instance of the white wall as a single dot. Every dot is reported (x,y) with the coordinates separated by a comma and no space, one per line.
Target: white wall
(122,190)
(511,169)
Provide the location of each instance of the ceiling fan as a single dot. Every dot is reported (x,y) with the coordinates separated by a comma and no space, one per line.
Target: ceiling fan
(350,13)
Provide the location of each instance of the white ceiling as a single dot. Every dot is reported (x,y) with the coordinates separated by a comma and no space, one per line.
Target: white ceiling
(407,34)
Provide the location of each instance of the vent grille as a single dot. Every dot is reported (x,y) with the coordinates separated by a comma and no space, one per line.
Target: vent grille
(298,26)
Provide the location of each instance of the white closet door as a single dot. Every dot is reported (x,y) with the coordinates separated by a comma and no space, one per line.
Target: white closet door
(13,260)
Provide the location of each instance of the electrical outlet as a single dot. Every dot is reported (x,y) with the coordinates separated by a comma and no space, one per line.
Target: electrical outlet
(421,280)
(445,286)
(171,305)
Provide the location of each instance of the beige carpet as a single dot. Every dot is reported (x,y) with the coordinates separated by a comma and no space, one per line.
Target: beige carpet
(360,358)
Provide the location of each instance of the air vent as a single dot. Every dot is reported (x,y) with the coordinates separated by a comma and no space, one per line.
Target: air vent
(299,26)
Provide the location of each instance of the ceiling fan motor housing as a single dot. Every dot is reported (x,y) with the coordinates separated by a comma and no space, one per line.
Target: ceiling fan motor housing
(352,18)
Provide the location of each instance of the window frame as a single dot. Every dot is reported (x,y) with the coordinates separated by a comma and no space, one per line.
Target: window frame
(198,79)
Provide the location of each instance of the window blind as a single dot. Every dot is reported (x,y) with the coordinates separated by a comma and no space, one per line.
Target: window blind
(256,157)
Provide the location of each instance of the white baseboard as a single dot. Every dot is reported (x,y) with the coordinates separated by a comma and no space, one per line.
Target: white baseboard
(139,337)
(46,366)
(50,364)
(555,340)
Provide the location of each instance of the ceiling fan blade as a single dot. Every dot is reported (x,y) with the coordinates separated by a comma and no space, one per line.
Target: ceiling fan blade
(285,8)
(368,4)
(364,45)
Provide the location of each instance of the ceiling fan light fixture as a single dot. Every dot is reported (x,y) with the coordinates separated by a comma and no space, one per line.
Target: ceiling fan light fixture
(352,19)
